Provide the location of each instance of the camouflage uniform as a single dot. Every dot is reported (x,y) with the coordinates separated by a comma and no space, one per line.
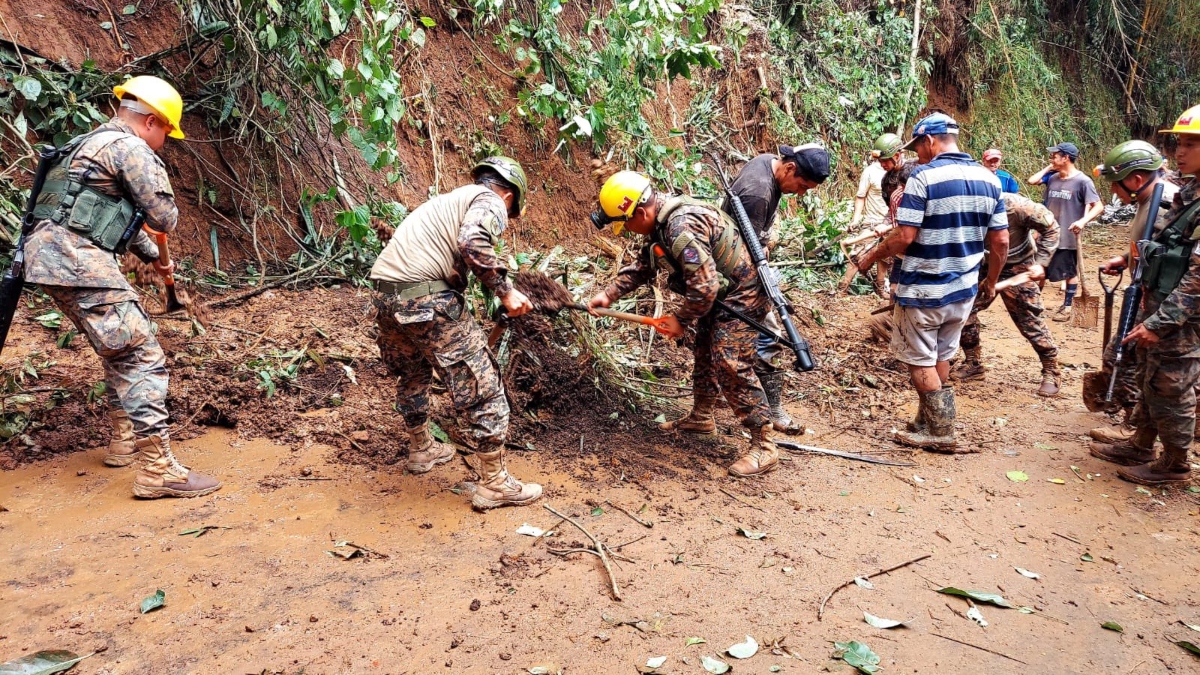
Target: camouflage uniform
(86,283)
(419,335)
(1024,301)
(725,347)
(1170,369)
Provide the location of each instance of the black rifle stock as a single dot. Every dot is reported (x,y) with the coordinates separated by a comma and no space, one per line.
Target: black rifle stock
(14,277)
(766,276)
(1131,301)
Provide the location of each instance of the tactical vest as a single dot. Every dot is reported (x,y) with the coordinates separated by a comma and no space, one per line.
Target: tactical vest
(726,250)
(1168,256)
(82,209)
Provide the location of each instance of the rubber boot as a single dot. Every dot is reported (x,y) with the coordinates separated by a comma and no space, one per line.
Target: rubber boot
(121,450)
(1138,449)
(772,384)
(918,423)
(1050,377)
(164,476)
(971,368)
(497,487)
(1171,467)
(938,436)
(762,458)
(699,421)
(424,451)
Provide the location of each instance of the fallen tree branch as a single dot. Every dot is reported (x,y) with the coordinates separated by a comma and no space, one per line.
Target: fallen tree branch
(635,518)
(598,546)
(821,610)
(262,288)
(982,649)
(797,448)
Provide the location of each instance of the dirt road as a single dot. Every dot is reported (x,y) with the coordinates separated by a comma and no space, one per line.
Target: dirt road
(460,592)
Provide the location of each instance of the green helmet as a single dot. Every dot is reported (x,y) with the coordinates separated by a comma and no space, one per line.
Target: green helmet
(1128,157)
(512,173)
(887,145)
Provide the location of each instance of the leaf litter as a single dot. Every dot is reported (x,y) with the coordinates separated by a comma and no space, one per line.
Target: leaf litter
(880,622)
(743,650)
(978,596)
(857,655)
(153,602)
(44,662)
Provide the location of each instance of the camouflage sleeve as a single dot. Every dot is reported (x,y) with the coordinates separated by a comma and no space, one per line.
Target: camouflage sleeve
(143,247)
(477,238)
(687,237)
(144,178)
(640,271)
(1182,305)
(1047,228)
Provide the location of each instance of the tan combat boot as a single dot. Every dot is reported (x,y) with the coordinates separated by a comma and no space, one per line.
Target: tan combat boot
(1171,467)
(426,452)
(121,450)
(762,458)
(971,367)
(496,486)
(1137,449)
(1050,377)
(164,476)
(938,435)
(699,421)
(772,384)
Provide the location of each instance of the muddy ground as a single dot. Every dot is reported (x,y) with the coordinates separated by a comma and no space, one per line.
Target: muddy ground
(450,590)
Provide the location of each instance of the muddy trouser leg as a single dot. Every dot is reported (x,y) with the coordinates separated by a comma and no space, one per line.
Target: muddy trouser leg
(135,366)
(406,363)
(1169,397)
(733,357)
(1024,305)
(705,389)
(768,349)
(970,332)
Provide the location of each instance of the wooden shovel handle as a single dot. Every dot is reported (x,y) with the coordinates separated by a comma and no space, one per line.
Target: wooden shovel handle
(164,253)
(658,324)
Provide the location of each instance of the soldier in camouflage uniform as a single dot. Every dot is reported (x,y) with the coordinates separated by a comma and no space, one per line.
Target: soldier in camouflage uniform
(1023,301)
(1167,335)
(423,324)
(702,248)
(88,201)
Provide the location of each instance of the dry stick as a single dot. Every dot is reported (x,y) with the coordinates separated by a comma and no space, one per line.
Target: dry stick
(622,510)
(741,501)
(821,609)
(1070,539)
(982,649)
(599,549)
(246,295)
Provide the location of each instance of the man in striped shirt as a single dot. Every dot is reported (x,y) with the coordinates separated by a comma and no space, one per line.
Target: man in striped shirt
(950,217)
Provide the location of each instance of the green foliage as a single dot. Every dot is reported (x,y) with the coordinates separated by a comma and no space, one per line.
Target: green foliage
(47,99)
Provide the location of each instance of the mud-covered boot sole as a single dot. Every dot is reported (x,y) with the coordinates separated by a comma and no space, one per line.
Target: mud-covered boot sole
(761,472)
(1175,479)
(144,492)
(481,503)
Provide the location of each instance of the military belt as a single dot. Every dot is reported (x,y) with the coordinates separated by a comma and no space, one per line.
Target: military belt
(411,291)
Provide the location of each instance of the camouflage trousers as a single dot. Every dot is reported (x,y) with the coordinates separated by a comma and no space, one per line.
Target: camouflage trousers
(1168,405)
(1024,305)
(135,368)
(1126,390)
(434,332)
(725,359)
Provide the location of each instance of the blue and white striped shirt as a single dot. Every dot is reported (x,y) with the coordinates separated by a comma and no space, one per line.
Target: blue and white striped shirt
(954,201)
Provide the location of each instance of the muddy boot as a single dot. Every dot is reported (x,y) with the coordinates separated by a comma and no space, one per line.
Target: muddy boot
(121,450)
(1050,377)
(1064,313)
(918,423)
(772,384)
(424,451)
(1116,434)
(497,487)
(1171,467)
(164,476)
(938,436)
(971,368)
(762,458)
(699,421)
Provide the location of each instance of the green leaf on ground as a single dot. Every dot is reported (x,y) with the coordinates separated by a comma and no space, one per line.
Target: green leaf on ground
(694,641)
(1056,481)
(438,432)
(714,666)
(1190,646)
(198,531)
(44,662)
(977,596)
(858,655)
(597,511)
(1113,626)
(1087,557)
(154,601)
(1044,446)
(1144,491)
(743,650)
(1017,476)
(879,622)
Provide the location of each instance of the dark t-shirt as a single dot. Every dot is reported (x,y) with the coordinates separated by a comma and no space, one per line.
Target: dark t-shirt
(1067,199)
(759,192)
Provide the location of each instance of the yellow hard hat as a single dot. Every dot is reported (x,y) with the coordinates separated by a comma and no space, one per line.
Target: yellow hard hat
(1188,123)
(158,95)
(621,194)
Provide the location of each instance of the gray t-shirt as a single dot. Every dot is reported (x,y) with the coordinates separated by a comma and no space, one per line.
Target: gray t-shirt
(1067,199)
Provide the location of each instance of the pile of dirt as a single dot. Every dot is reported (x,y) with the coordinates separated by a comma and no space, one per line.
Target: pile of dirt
(547,295)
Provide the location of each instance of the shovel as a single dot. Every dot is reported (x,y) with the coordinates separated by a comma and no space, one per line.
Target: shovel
(164,259)
(1087,306)
(1109,293)
(658,324)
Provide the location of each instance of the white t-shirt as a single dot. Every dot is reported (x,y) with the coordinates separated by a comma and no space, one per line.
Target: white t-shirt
(870,186)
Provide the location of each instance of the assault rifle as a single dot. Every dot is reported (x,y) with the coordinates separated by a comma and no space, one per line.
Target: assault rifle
(1131,302)
(14,277)
(766,276)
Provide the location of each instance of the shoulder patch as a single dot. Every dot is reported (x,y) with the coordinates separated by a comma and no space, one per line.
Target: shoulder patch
(691,256)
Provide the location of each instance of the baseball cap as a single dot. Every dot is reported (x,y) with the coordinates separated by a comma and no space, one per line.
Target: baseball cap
(992,153)
(811,159)
(933,125)
(1069,149)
